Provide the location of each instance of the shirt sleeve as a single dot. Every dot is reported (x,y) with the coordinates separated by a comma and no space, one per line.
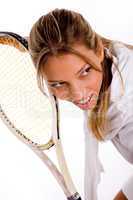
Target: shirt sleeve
(120,113)
(127,188)
(124,143)
(120,127)
(120,131)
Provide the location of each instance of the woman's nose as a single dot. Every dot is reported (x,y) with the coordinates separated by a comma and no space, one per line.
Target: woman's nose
(77,92)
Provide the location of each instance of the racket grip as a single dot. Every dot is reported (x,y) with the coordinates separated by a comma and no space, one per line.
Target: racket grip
(76,196)
(72,198)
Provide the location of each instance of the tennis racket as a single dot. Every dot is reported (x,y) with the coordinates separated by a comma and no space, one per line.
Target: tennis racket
(30,114)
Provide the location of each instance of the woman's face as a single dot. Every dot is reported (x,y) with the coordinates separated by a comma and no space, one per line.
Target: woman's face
(73,79)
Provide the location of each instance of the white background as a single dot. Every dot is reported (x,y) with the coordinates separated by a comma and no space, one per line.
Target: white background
(22,174)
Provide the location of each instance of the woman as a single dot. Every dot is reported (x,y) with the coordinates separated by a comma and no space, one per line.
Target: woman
(94,73)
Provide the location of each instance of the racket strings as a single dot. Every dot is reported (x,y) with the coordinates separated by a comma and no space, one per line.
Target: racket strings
(11,126)
(20,98)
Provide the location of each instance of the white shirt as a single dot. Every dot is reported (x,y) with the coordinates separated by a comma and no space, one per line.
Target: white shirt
(120,131)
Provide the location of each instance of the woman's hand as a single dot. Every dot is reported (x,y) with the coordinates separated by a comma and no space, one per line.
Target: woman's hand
(120,196)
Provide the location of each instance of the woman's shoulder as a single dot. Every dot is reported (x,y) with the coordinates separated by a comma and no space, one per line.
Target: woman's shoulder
(118,46)
(124,55)
(123,61)
(120,110)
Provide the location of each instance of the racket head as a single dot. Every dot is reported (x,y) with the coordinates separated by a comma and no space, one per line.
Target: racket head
(30,114)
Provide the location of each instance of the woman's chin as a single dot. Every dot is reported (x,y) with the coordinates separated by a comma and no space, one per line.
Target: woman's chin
(87,106)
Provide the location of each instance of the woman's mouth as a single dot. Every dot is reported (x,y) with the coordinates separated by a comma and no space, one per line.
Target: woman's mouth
(87,104)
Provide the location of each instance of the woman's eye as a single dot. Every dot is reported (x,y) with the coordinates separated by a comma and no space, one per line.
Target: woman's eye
(56,85)
(86,71)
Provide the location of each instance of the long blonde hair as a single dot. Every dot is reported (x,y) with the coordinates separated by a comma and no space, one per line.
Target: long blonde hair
(55,33)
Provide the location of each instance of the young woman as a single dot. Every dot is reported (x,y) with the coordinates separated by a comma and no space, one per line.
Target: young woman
(95,74)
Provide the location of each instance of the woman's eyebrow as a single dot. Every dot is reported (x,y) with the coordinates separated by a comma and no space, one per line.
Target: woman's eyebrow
(55,81)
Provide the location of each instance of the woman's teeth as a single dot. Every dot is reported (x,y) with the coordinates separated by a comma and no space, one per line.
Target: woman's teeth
(84,101)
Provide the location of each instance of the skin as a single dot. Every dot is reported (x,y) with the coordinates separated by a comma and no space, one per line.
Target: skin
(71,78)
(120,196)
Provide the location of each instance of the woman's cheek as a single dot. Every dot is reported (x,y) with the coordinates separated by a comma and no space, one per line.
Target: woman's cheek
(60,93)
(96,82)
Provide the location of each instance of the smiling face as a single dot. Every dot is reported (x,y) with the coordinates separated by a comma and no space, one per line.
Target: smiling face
(72,78)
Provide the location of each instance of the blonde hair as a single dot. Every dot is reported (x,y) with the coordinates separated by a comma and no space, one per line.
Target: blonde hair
(56,33)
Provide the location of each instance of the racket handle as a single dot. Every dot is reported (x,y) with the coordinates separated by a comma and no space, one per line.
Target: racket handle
(71,198)
(76,196)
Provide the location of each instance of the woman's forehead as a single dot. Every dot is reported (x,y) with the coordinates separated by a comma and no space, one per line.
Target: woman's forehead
(64,65)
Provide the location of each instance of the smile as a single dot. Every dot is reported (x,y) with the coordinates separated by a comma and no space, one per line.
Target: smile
(86,104)
(84,101)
